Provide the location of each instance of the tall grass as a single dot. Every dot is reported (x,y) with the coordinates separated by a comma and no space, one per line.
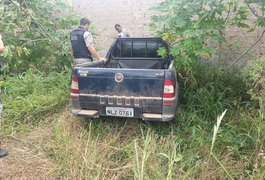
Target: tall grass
(208,90)
(117,148)
(141,156)
(216,129)
(131,150)
(254,76)
(30,97)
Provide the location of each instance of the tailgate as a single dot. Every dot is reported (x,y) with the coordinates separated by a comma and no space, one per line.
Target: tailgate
(138,88)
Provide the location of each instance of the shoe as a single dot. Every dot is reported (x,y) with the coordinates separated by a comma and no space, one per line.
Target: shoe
(3,153)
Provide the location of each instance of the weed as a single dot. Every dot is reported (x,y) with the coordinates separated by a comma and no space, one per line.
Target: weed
(31,97)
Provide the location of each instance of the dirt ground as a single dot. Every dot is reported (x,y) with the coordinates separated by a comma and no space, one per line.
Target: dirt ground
(31,154)
(27,158)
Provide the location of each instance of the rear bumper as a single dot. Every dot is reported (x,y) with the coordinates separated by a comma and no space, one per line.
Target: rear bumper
(157,117)
(86,113)
(144,116)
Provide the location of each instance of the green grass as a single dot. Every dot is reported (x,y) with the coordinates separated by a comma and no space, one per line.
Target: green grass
(193,147)
(140,150)
(31,97)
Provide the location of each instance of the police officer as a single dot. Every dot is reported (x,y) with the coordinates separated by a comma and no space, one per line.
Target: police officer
(82,48)
(2,153)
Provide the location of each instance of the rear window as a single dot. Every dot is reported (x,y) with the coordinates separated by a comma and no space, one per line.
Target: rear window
(137,48)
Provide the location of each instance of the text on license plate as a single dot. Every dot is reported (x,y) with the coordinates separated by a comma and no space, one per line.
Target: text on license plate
(119,111)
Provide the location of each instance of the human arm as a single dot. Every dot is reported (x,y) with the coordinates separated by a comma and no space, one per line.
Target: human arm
(127,33)
(94,53)
(89,43)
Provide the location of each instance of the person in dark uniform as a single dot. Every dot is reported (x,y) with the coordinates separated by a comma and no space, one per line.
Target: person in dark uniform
(2,152)
(82,47)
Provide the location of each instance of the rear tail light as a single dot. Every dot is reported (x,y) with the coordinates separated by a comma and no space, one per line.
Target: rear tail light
(74,85)
(169,89)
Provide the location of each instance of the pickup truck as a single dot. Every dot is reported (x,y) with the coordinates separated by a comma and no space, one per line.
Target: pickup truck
(135,82)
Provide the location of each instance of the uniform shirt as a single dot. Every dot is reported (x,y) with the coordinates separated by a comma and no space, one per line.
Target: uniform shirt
(125,33)
(88,39)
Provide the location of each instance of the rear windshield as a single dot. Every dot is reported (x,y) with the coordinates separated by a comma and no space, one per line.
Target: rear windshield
(137,48)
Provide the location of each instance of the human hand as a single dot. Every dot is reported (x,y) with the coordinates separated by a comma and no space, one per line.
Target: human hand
(104,60)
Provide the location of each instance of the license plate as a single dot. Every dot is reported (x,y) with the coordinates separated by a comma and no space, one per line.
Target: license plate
(119,111)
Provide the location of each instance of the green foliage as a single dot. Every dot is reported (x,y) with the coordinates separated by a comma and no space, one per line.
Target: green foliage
(208,90)
(196,29)
(99,148)
(189,25)
(254,75)
(36,34)
(30,96)
(126,149)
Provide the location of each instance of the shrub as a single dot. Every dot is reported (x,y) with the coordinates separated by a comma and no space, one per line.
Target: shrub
(208,89)
(197,29)
(36,35)
(254,76)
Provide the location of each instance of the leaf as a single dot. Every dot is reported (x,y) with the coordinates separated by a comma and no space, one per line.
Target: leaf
(162,52)
(261,21)
(163,154)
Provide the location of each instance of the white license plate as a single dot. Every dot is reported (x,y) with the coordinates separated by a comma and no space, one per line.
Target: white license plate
(119,111)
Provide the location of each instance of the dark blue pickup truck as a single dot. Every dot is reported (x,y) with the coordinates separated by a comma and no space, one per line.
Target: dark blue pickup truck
(135,82)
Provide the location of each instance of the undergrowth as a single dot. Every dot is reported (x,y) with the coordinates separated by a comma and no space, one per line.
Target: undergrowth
(120,148)
(31,97)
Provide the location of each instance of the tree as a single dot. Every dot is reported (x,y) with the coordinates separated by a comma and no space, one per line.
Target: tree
(192,27)
(36,33)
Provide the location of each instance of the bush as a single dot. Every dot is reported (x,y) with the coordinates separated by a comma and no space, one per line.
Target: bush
(208,89)
(197,29)
(36,35)
(254,76)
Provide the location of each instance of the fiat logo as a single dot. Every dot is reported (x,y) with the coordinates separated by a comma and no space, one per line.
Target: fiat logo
(119,77)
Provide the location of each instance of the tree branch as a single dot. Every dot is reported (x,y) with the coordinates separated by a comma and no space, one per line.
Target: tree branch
(256,42)
(254,12)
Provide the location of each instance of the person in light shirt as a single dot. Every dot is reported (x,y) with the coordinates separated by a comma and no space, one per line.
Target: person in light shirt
(122,32)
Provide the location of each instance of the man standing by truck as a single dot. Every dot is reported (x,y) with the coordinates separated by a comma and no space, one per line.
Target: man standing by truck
(2,153)
(122,33)
(82,48)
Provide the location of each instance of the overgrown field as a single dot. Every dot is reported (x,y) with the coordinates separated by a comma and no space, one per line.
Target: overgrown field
(219,130)
(117,148)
